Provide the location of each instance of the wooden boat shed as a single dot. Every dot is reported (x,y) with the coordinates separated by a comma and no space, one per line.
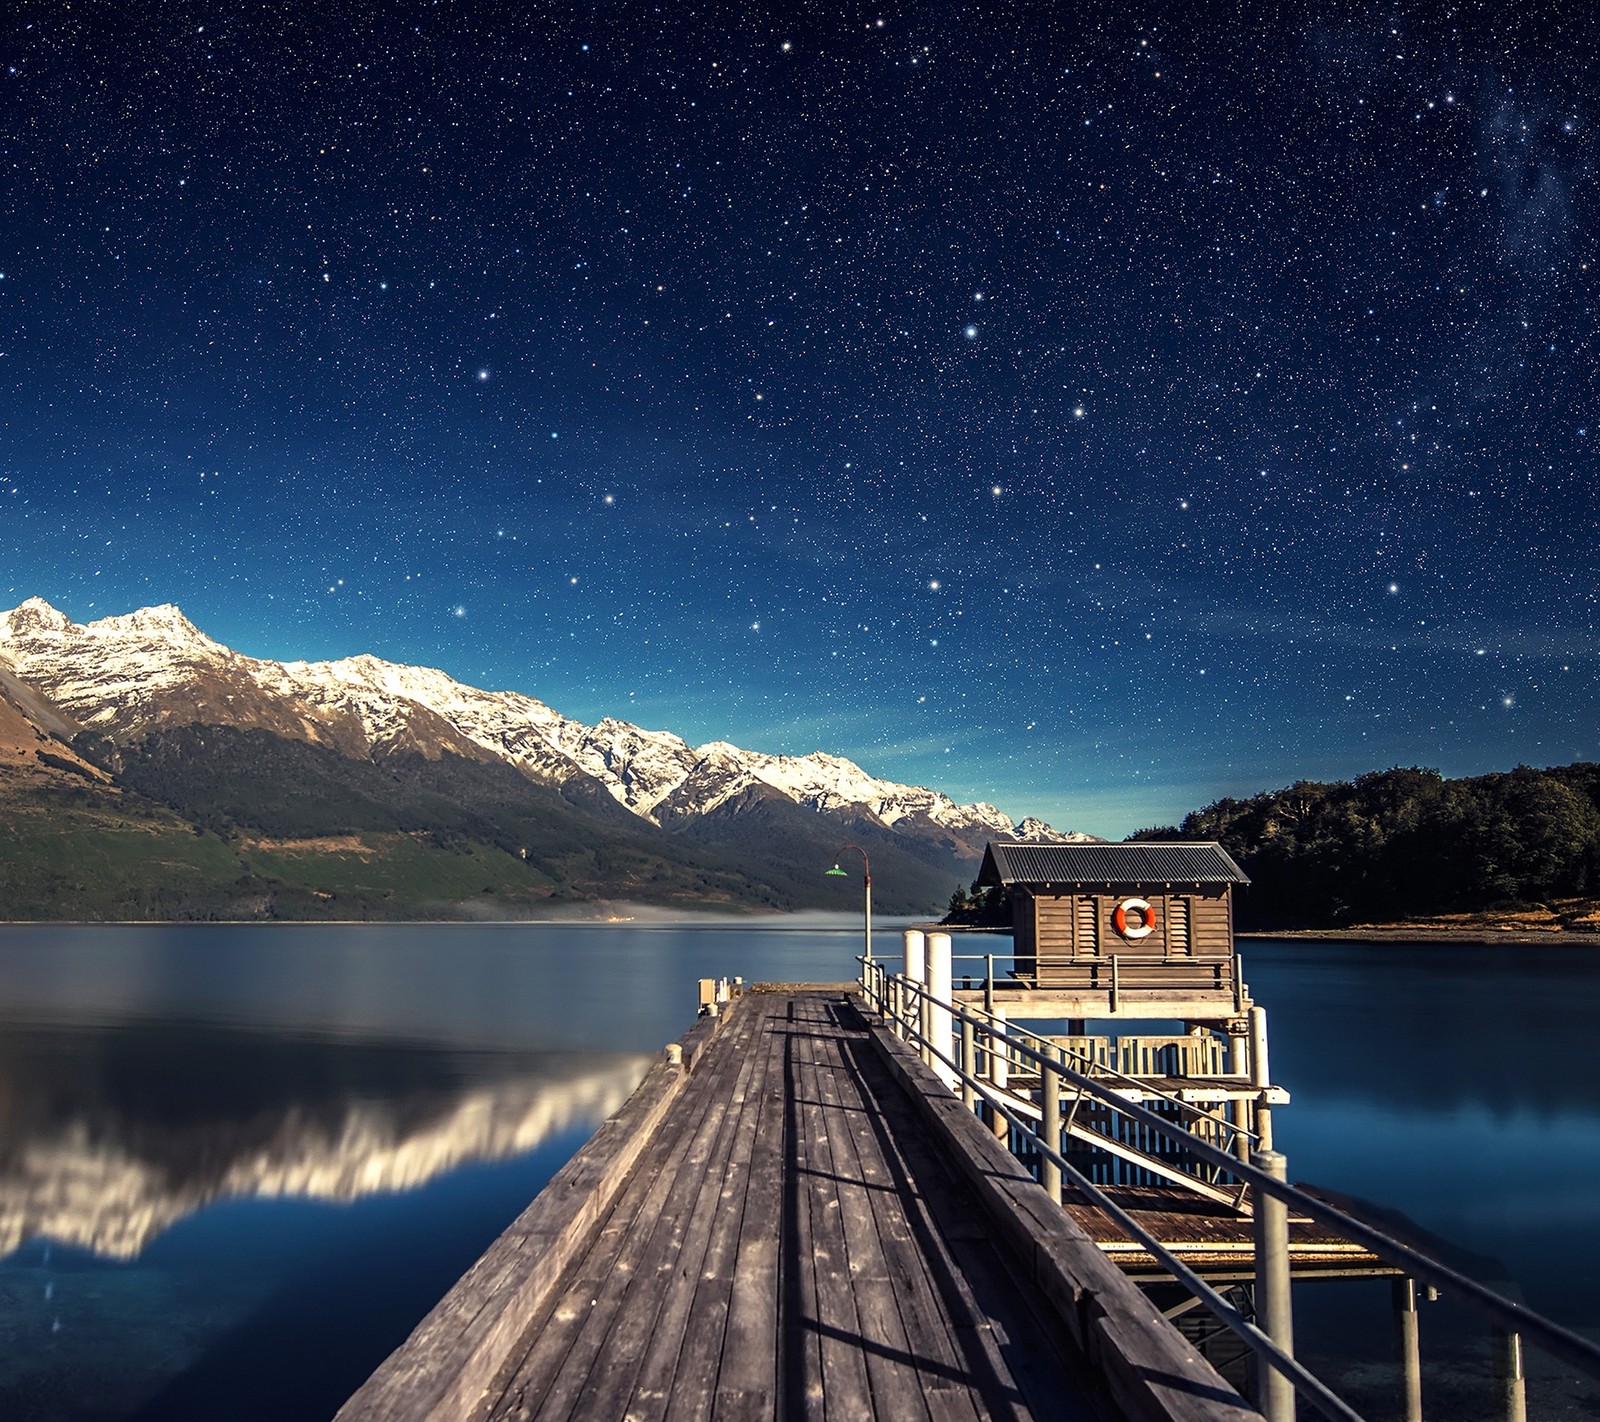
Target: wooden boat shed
(1150,917)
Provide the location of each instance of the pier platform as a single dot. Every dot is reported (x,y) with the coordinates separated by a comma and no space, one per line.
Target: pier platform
(798,1221)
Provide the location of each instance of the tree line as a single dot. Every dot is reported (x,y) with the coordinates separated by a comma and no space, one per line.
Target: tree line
(1401,843)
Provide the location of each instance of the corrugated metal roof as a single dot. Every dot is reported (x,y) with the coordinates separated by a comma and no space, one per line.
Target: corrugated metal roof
(1145,863)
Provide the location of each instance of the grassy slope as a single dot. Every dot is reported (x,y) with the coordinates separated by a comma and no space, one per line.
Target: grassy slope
(219,823)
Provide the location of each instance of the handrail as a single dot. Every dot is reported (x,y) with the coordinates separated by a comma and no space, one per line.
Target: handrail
(1306,1382)
(1014,1030)
(1560,1343)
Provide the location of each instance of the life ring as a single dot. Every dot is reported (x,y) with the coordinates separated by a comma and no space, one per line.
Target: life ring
(1147,918)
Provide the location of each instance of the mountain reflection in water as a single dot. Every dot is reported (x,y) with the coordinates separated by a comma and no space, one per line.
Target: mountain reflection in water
(108,1137)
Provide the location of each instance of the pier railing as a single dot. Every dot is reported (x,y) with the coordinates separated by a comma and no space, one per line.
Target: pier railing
(981,1057)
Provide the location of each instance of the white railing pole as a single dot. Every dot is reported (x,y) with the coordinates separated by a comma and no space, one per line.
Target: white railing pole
(1050,1121)
(1509,1376)
(941,1025)
(1409,1345)
(916,950)
(999,1069)
(969,1063)
(1274,1310)
(1260,1077)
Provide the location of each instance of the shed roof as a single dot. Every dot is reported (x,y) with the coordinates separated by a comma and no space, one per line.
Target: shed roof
(1147,862)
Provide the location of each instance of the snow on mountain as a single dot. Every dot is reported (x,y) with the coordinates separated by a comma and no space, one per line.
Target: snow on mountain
(127,676)
(113,671)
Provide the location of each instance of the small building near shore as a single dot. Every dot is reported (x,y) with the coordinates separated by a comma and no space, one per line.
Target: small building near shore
(1149,917)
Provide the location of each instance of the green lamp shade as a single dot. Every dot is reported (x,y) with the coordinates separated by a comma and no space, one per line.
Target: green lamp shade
(842,873)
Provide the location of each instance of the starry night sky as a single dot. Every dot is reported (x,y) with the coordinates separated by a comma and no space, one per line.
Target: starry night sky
(1092,413)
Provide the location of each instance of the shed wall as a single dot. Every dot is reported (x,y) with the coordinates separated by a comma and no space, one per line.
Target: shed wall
(1057,934)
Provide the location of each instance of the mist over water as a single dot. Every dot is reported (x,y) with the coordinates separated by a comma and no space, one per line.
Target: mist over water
(225,1147)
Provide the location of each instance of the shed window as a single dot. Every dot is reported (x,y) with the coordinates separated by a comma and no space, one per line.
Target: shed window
(1178,926)
(1088,925)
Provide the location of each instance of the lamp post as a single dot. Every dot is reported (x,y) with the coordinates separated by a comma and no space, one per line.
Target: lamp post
(844,874)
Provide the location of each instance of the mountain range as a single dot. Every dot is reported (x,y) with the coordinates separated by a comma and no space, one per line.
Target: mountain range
(147,770)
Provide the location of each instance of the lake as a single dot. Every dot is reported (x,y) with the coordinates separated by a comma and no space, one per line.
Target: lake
(237,1164)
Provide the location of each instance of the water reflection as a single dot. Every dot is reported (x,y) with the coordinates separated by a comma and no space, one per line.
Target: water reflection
(109,1136)
(551,987)
(225,1147)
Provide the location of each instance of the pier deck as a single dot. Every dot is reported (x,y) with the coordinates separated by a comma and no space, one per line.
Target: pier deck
(791,1244)
(807,1228)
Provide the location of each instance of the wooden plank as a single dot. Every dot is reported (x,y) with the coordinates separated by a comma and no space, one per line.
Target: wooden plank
(743,1279)
(623,1303)
(1006,1378)
(677,1242)
(456,1351)
(898,1390)
(845,1389)
(553,1333)
(557,1343)
(933,1321)
(724,1180)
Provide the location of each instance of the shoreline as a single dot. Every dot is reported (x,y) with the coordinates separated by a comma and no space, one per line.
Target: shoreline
(1459,937)
(824,921)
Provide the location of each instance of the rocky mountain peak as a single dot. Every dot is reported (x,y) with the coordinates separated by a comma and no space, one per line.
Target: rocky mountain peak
(165,622)
(125,675)
(1037,831)
(35,614)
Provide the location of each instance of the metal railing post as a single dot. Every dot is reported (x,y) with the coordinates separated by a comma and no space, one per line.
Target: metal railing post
(1509,1379)
(1408,1345)
(1274,1310)
(969,1063)
(1050,1121)
(988,982)
(999,1069)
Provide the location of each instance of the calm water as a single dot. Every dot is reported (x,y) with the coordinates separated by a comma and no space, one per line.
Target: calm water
(237,1164)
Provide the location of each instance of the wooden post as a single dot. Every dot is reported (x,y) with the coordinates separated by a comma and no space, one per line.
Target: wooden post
(1274,1309)
(1408,1345)
(1509,1379)
(1050,1121)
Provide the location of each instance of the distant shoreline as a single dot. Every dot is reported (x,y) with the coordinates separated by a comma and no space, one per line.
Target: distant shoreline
(1461,937)
(827,920)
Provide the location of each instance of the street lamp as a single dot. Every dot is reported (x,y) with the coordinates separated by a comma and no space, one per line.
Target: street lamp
(844,874)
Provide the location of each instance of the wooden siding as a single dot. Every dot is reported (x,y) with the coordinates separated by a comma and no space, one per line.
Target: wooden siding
(1058,935)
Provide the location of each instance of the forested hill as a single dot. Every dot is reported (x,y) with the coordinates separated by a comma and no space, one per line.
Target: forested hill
(1400,844)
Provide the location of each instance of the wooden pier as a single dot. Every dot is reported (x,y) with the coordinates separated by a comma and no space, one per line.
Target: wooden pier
(800,1220)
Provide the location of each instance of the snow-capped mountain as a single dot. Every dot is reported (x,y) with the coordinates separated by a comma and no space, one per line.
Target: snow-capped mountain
(127,677)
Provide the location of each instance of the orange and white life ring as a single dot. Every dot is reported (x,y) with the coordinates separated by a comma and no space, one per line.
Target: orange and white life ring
(1147,918)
